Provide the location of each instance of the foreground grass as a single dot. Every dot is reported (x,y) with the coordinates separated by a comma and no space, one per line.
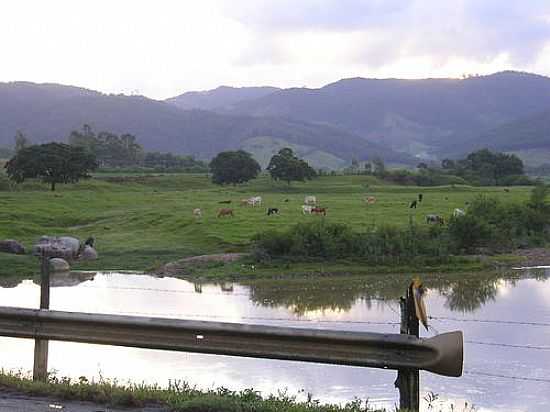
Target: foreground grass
(179,396)
(141,222)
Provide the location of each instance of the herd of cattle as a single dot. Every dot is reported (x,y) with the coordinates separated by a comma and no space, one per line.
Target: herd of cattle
(311,207)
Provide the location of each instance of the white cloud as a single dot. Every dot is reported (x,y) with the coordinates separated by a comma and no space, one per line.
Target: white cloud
(164,47)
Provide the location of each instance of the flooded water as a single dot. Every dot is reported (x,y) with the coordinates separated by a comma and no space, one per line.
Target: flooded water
(505,320)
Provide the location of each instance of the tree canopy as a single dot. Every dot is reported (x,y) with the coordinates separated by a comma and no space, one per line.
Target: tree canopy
(234,167)
(110,149)
(486,168)
(288,167)
(51,162)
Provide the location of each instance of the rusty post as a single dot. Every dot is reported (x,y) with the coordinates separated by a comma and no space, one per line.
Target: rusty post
(40,368)
(408,380)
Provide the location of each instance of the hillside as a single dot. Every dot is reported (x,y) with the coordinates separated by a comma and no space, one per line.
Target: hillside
(221,98)
(528,137)
(417,116)
(50,112)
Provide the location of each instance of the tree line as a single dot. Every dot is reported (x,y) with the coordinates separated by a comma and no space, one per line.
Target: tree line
(479,168)
(87,151)
(235,167)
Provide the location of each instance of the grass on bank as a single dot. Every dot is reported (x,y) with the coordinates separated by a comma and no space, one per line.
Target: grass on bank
(141,221)
(179,396)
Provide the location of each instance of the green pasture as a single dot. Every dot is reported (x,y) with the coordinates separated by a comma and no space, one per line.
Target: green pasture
(141,221)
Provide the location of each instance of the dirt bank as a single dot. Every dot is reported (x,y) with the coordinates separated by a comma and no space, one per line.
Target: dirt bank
(182,267)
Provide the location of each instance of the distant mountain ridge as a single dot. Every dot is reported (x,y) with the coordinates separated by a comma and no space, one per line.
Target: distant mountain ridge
(50,112)
(401,121)
(221,98)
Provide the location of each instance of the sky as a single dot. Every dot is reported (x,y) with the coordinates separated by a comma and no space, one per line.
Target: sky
(161,48)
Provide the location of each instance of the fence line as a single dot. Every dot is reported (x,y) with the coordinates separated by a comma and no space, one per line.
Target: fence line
(496,375)
(496,321)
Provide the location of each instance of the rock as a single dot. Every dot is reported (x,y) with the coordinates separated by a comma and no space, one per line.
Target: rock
(65,247)
(12,246)
(59,265)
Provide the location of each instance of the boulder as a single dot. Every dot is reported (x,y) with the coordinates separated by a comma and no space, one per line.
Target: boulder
(12,246)
(65,247)
(59,265)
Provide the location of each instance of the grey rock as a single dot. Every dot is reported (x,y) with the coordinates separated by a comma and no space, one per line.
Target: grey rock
(65,247)
(59,265)
(12,246)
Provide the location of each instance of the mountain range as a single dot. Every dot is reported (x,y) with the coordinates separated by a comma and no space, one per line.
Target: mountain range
(401,121)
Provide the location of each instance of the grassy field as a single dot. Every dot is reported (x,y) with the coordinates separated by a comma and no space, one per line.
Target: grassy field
(141,222)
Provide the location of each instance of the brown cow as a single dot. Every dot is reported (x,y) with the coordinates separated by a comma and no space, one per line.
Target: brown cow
(319,211)
(225,212)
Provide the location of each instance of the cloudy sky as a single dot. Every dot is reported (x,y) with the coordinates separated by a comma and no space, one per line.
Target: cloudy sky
(160,48)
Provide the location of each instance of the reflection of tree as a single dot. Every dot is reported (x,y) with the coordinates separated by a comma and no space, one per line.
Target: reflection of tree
(469,295)
(463,292)
(301,296)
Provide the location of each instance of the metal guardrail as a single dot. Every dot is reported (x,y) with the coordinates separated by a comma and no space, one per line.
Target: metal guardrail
(405,352)
(441,354)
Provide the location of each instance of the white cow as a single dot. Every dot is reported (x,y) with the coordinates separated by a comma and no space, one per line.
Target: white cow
(307,209)
(310,200)
(256,200)
(197,212)
(458,212)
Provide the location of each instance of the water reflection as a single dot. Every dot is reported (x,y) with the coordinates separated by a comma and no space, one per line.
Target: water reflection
(463,292)
(347,303)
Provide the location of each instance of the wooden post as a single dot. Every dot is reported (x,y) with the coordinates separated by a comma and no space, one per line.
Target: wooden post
(40,370)
(408,380)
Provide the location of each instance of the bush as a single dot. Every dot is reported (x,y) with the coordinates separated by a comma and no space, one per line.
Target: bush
(336,241)
(488,224)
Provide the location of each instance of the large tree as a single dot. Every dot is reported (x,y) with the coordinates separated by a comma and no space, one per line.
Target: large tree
(288,167)
(234,167)
(51,162)
(110,149)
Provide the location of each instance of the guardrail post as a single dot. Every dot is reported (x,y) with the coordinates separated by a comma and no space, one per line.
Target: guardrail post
(40,369)
(408,380)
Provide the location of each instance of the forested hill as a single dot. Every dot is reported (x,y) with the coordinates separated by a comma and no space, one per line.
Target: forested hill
(414,115)
(530,133)
(50,112)
(221,98)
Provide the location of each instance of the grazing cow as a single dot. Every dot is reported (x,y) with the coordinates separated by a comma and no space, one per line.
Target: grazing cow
(224,211)
(435,219)
(286,200)
(371,200)
(310,200)
(458,212)
(244,202)
(224,202)
(272,211)
(256,200)
(506,190)
(319,211)
(197,212)
(420,197)
(413,205)
(306,209)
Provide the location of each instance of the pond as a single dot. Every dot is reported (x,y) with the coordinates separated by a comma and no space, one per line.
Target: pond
(505,320)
